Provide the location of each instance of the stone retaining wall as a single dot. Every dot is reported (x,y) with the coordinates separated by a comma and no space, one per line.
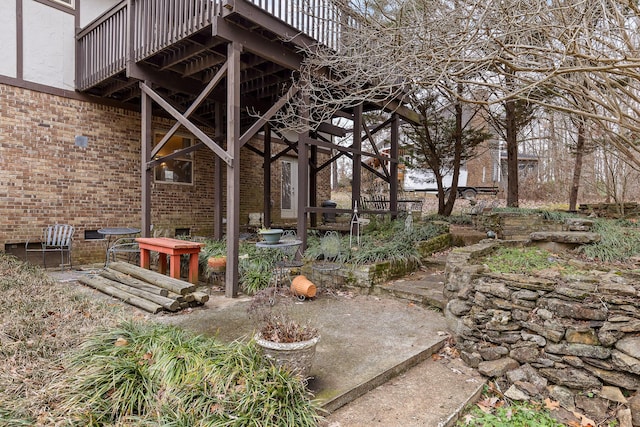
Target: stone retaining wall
(549,334)
(514,225)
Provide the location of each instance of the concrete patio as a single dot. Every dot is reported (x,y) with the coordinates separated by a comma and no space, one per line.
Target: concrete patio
(366,341)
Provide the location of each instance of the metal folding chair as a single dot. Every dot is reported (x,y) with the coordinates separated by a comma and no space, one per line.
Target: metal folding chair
(55,238)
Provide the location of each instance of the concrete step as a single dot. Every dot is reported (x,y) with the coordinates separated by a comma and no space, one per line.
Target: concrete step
(424,289)
(432,393)
(435,262)
(381,377)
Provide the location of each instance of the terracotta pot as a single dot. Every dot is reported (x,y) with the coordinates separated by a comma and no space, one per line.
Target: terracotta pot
(301,286)
(217,264)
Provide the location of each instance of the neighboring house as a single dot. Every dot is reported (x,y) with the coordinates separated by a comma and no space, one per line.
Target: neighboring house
(90,88)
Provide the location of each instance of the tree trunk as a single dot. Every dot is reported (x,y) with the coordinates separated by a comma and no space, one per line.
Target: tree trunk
(512,153)
(457,158)
(577,169)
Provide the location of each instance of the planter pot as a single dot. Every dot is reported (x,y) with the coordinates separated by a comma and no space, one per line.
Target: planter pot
(217,264)
(271,236)
(303,287)
(296,356)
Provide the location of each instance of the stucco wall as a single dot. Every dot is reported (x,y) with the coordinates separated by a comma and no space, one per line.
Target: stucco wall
(91,9)
(8,38)
(49,45)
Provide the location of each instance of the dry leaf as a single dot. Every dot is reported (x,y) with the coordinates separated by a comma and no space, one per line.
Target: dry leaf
(509,414)
(584,421)
(146,358)
(121,342)
(468,419)
(436,356)
(487,405)
(551,405)
(485,409)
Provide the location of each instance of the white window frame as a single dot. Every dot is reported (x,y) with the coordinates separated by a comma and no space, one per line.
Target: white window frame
(67,4)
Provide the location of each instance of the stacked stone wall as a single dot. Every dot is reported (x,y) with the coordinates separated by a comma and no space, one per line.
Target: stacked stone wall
(549,333)
(514,225)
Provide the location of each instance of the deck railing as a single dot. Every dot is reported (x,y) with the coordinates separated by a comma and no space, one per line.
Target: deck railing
(101,47)
(157,24)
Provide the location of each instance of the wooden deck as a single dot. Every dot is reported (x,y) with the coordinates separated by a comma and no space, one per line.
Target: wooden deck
(182,43)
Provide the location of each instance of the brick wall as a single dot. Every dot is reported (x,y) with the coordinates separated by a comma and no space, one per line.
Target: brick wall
(45,178)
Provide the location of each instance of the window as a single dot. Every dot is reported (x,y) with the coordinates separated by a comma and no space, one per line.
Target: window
(178,169)
(59,4)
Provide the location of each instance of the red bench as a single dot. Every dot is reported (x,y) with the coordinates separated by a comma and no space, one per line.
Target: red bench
(174,248)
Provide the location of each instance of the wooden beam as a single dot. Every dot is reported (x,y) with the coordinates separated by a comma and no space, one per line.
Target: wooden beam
(404,112)
(255,127)
(251,42)
(146,177)
(375,148)
(180,153)
(331,129)
(350,149)
(356,179)
(393,179)
(193,107)
(313,184)
(233,169)
(263,19)
(186,123)
(266,198)
(217,177)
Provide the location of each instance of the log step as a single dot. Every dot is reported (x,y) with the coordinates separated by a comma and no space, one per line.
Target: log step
(160,280)
(144,289)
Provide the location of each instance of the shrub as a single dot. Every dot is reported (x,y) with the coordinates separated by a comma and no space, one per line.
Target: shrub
(149,374)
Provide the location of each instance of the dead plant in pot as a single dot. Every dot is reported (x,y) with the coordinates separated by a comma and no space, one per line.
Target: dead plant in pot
(284,341)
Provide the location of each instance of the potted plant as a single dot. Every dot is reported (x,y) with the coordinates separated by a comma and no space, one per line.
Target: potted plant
(284,341)
(271,235)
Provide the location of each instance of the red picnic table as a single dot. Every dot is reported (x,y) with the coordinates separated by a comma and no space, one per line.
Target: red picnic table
(174,248)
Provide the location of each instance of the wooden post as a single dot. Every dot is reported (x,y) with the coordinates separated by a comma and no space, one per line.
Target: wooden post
(303,179)
(146,172)
(266,202)
(357,157)
(233,170)
(217,177)
(393,165)
(313,184)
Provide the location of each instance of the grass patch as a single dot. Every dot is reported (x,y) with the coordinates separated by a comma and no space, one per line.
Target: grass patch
(619,241)
(515,414)
(525,260)
(381,240)
(41,321)
(56,370)
(149,374)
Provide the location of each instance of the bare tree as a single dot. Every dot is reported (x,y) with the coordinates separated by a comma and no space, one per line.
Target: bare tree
(442,142)
(503,52)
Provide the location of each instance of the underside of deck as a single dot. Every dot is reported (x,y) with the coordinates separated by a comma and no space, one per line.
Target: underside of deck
(227,66)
